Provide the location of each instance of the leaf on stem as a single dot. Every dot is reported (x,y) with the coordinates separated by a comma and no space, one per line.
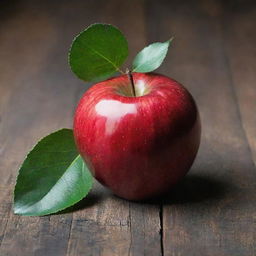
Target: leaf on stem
(98,52)
(151,57)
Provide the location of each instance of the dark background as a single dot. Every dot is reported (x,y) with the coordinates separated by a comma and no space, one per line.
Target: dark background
(213,210)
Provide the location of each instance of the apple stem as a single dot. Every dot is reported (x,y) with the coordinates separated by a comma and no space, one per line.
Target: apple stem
(129,74)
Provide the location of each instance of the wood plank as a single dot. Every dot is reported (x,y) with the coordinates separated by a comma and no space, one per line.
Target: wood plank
(114,226)
(39,95)
(239,25)
(18,117)
(213,211)
(42,87)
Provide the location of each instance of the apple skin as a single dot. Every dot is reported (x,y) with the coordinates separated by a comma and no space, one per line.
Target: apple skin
(139,147)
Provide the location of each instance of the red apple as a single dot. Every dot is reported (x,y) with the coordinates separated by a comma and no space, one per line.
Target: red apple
(140,146)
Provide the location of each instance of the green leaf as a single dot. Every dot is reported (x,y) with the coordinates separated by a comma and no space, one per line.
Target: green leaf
(98,52)
(151,57)
(52,177)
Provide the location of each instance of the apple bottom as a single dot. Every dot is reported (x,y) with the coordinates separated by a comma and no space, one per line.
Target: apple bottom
(156,173)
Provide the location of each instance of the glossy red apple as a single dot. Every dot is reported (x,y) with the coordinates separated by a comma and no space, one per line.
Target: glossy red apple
(139,146)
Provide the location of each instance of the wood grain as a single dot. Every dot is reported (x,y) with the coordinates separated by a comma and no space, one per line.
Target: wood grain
(36,100)
(239,37)
(212,212)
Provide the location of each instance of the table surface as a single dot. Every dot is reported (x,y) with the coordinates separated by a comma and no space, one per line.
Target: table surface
(213,211)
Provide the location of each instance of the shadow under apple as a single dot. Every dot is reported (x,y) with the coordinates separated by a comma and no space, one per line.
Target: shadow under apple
(194,188)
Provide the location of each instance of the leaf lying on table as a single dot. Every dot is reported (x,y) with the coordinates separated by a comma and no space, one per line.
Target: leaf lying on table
(52,177)
(151,57)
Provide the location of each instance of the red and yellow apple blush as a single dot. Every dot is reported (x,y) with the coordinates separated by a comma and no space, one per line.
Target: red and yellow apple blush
(138,146)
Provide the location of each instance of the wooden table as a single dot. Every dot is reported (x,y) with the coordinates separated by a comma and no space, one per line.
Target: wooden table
(213,211)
